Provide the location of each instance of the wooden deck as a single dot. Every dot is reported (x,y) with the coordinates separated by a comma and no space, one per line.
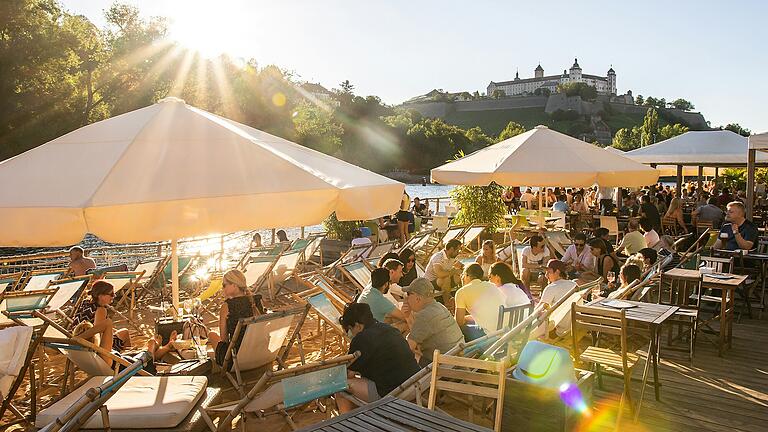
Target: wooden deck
(728,393)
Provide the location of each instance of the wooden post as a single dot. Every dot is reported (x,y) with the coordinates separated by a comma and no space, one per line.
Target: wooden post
(273,235)
(175,274)
(750,182)
(700,181)
(679,180)
(717,172)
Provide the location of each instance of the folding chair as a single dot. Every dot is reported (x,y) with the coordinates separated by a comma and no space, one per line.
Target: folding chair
(153,275)
(286,268)
(258,341)
(471,235)
(39,279)
(328,316)
(684,292)
(125,284)
(472,377)
(453,232)
(10,281)
(313,248)
(258,271)
(354,253)
(15,358)
(358,273)
(417,240)
(599,322)
(380,249)
(612,224)
(295,387)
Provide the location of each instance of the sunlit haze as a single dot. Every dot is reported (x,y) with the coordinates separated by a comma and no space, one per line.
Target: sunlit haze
(702,51)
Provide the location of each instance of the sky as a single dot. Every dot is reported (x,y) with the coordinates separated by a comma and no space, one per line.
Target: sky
(711,53)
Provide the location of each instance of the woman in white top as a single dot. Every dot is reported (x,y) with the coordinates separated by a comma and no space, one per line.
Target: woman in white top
(488,256)
(514,291)
(579,205)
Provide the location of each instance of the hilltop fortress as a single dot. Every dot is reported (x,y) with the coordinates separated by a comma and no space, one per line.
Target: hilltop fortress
(604,85)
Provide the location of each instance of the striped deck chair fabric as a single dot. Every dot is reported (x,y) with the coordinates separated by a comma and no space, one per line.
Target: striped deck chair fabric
(39,280)
(8,282)
(358,273)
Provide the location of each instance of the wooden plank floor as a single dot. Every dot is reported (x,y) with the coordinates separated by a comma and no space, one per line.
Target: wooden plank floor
(728,393)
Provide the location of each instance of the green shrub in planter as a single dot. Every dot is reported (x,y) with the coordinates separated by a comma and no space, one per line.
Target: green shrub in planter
(480,205)
(340,230)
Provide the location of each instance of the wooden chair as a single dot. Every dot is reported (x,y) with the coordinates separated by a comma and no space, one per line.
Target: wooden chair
(740,267)
(10,281)
(599,322)
(684,292)
(704,226)
(612,224)
(669,226)
(470,377)
(511,316)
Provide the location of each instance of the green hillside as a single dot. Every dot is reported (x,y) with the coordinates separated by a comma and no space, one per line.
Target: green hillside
(493,121)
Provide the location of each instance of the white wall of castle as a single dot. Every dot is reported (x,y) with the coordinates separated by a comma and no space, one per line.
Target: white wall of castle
(603,86)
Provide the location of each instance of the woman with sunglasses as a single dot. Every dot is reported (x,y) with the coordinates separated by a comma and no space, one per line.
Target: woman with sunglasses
(91,321)
(408,258)
(239,303)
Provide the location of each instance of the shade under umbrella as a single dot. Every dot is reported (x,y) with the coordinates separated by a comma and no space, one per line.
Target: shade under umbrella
(543,157)
(170,171)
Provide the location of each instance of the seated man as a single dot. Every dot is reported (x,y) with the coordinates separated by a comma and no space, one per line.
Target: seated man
(630,207)
(78,263)
(709,212)
(650,256)
(433,325)
(739,233)
(477,304)
(443,270)
(534,257)
(560,205)
(633,240)
(650,235)
(373,295)
(385,361)
(578,258)
(396,269)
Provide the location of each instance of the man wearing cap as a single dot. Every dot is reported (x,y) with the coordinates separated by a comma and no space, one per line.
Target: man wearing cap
(477,304)
(557,288)
(433,325)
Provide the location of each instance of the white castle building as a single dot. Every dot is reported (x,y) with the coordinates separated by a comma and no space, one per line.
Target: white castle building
(605,85)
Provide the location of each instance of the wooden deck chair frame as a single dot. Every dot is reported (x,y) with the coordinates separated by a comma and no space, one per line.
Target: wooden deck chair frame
(453,232)
(472,234)
(380,249)
(328,314)
(129,287)
(464,376)
(415,239)
(352,254)
(234,373)
(10,281)
(320,282)
(35,273)
(7,401)
(314,247)
(230,410)
(269,262)
(58,305)
(351,274)
(293,258)
(150,279)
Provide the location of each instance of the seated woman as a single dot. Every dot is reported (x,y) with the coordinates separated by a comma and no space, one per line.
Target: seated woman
(628,274)
(408,258)
(675,211)
(604,261)
(91,322)
(239,303)
(515,292)
(488,257)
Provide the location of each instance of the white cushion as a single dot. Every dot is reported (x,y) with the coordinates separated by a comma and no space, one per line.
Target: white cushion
(14,344)
(141,403)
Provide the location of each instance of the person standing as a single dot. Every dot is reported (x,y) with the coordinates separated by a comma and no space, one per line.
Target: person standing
(404,217)
(605,196)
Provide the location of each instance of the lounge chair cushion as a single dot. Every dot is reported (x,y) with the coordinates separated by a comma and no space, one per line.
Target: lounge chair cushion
(15,343)
(142,402)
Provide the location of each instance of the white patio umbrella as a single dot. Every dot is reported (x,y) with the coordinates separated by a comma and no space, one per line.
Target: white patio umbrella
(170,171)
(545,157)
(671,170)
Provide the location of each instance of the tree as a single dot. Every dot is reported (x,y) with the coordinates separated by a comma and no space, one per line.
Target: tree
(542,91)
(512,129)
(670,131)
(478,138)
(347,87)
(498,93)
(651,101)
(682,104)
(735,127)
(649,131)
(584,90)
(627,139)
(639,100)
(315,128)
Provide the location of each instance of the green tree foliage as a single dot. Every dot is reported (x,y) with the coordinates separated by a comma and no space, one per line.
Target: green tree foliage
(512,129)
(627,139)
(735,127)
(339,230)
(649,131)
(639,100)
(586,91)
(315,128)
(542,91)
(498,94)
(669,131)
(478,138)
(682,104)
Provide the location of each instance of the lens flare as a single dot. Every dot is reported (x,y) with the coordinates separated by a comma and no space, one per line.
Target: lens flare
(278,99)
(571,396)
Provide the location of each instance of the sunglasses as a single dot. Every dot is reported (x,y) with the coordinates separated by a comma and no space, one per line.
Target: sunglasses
(579,244)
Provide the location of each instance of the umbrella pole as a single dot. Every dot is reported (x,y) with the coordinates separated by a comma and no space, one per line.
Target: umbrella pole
(542,191)
(175,274)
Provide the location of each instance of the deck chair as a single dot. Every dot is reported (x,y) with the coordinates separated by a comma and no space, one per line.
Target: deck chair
(296,387)
(354,253)
(39,279)
(146,403)
(381,249)
(258,271)
(472,235)
(16,307)
(413,242)
(69,293)
(286,268)
(312,249)
(259,341)
(15,358)
(482,378)
(329,317)
(358,273)
(10,281)
(601,321)
(125,284)
(153,275)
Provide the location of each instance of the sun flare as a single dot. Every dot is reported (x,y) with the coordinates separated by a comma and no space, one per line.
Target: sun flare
(207,28)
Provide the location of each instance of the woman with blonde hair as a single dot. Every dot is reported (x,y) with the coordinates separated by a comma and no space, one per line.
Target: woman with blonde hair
(488,257)
(239,303)
(675,211)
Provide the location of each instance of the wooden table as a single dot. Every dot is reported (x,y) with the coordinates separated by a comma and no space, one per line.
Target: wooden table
(653,315)
(392,414)
(727,289)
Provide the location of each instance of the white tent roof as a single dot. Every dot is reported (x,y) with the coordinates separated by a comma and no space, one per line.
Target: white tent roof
(709,148)
(171,171)
(759,141)
(543,157)
(671,170)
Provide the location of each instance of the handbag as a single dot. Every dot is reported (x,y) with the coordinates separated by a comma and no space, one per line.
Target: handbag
(194,328)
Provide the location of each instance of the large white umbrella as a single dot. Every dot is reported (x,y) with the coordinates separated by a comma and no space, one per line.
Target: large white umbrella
(671,170)
(698,148)
(544,157)
(170,171)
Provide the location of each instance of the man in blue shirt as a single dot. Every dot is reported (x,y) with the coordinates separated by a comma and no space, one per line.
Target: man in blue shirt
(373,295)
(740,233)
(561,205)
